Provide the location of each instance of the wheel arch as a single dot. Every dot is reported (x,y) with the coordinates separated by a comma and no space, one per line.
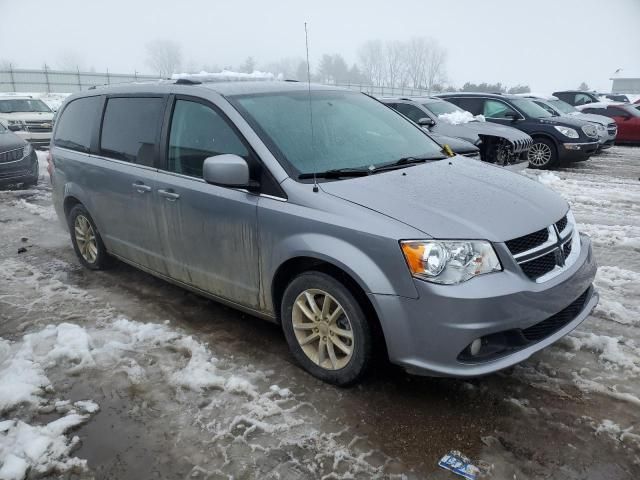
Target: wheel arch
(295,266)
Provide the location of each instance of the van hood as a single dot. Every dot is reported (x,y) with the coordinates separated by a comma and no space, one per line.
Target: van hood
(456,198)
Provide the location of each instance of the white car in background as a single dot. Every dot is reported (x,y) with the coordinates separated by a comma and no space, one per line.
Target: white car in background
(30,118)
(606,127)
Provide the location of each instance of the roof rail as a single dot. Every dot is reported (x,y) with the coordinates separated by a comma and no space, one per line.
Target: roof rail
(496,93)
(187,81)
(292,80)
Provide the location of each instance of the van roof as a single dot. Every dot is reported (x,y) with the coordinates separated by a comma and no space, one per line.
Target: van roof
(223,88)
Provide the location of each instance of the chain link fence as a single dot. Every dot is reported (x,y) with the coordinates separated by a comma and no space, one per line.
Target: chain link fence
(46,80)
(59,81)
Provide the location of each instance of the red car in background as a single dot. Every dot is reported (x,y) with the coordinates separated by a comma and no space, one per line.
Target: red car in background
(626,116)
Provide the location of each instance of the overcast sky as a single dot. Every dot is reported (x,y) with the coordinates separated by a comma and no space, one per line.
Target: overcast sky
(549,44)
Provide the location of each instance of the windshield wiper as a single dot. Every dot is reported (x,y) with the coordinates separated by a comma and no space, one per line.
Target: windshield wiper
(404,162)
(337,173)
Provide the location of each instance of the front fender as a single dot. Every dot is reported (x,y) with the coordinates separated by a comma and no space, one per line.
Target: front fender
(384,276)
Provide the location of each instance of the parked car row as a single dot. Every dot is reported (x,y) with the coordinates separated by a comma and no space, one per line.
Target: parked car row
(329,213)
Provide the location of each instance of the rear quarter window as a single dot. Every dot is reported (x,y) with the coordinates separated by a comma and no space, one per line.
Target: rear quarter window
(131,129)
(76,124)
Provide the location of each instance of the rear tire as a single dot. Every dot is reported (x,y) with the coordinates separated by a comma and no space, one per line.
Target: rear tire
(86,239)
(326,329)
(543,154)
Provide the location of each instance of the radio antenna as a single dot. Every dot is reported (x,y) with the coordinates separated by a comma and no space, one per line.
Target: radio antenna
(306,39)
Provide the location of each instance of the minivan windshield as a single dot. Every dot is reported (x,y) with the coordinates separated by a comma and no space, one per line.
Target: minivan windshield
(350,130)
(531,108)
(23,105)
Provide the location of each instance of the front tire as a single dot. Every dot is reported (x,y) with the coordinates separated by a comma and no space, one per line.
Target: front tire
(543,154)
(86,239)
(326,329)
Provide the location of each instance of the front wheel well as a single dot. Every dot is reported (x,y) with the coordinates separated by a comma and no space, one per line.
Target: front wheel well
(68,205)
(296,266)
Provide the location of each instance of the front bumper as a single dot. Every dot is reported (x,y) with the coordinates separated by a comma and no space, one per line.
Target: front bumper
(24,170)
(40,140)
(427,335)
(575,152)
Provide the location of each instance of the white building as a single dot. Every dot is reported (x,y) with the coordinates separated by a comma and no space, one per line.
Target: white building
(624,82)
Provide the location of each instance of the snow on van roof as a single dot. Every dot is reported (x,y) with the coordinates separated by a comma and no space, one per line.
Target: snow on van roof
(601,105)
(225,76)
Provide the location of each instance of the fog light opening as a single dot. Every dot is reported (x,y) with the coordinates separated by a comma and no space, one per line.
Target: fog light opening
(475,346)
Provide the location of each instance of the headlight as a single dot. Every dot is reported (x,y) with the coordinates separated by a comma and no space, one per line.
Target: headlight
(26,151)
(449,261)
(567,132)
(600,127)
(590,130)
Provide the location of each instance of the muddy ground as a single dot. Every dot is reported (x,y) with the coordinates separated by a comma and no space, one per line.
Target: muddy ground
(569,412)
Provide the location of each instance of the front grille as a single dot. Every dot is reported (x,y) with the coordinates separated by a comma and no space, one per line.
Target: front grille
(556,322)
(612,129)
(11,155)
(562,224)
(566,249)
(527,242)
(14,174)
(539,266)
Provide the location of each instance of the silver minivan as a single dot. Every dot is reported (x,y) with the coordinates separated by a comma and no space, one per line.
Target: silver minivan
(325,211)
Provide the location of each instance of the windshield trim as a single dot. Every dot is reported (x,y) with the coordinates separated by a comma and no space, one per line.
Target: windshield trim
(278,154)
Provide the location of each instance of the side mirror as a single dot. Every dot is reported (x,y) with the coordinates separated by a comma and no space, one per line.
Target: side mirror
(512,115)
(228,171)
(14,128)
(426,122)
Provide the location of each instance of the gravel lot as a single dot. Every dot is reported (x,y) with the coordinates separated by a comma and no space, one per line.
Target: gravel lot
(119,375)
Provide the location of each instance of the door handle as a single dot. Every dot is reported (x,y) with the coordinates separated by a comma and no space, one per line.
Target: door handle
(141,187)
(169,195)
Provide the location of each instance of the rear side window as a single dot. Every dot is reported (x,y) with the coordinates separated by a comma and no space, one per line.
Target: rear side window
(76,125)
(410,111)
(198,132)
(473,105)
(130,129)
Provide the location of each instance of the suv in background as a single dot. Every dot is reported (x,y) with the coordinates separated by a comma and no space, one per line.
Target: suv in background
(30,118)
(607,130)
(18,160)
(367,232)
(626,116)
(556,140)
(499,144)
(577,97)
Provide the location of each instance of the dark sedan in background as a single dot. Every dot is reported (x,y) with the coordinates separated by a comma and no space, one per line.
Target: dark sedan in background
(18,160)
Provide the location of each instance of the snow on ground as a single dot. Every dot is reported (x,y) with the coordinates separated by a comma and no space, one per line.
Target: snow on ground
(234,405)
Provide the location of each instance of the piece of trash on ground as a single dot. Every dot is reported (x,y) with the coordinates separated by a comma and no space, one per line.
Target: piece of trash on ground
(457,463)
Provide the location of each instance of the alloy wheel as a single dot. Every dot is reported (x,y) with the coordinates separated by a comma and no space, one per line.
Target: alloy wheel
(322,329)
(86,239)
(540,154)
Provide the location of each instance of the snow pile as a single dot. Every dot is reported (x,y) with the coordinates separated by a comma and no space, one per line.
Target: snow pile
(613,235)
(43,449)
(22,378)
(611,351)
(48,212)
(224,76)
(459,117)
(615,432)
(618,295)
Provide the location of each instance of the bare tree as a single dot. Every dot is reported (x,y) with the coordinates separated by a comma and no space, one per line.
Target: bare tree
(248,66)
(164,56)
(417,54)
(584,87)
(6,64)
(287,68)
(435,65)
(395,60)
(372,63)
(70,61)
